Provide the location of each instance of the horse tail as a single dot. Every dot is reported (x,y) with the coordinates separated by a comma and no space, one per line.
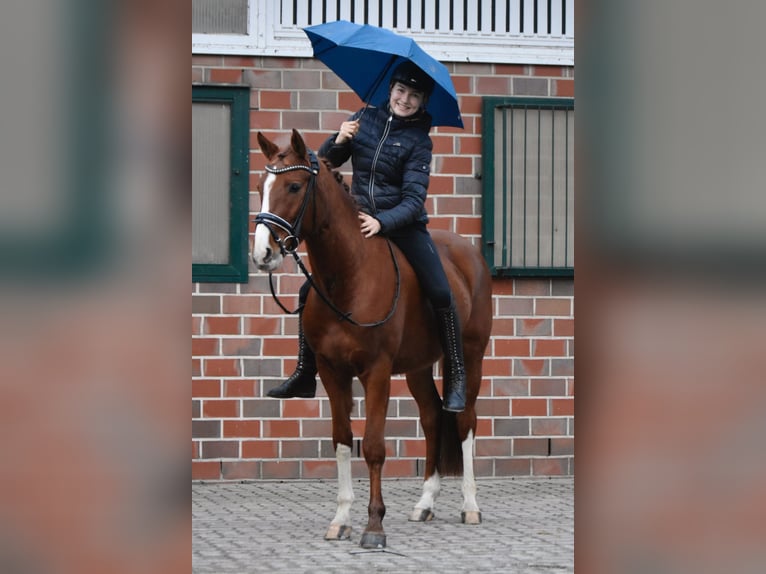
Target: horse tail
(450,462)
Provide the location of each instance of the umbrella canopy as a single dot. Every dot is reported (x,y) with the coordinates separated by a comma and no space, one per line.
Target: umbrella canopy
(365,56)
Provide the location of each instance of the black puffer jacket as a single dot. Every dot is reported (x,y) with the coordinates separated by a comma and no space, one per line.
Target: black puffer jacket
(396,153)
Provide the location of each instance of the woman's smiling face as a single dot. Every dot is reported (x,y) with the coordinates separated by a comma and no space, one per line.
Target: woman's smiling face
(405,101)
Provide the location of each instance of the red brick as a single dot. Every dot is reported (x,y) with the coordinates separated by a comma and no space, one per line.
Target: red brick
(469,145)
(247,429)
(562,407)
(511,70)
(529,407)
(279,100)
(470,104)
(412,448)
(503,327)
(196,367)
(496,367)
(534,327)
(302,120)
(221,367)
(262,325)
(226,76)
(260,449)
(240,388)
(493,447)
(206,470)
(484,426)
(549,467)
(549,348)
(300,409)
(217,408)
(240,469)
(206,346)
(246,346)
(206,388)
(493,85)
(261,120)
(547,71)
(502,286)
(549,427)
(281,428)
(462,84)
(563,327)
(443,145)
(454,164)
(279,347)
(513,467)
(196,325)
(222,326)
(563,88)
(349,101)
(469,226)
(511,347)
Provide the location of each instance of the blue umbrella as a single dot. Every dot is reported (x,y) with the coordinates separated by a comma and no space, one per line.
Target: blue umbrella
(365,56)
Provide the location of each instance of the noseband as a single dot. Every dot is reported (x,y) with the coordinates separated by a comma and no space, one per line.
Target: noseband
(290,243)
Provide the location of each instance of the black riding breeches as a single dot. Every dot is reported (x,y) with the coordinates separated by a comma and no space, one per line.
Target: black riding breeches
(419,249)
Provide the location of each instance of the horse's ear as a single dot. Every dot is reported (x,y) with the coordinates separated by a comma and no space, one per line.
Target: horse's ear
(267,147)
(298,145)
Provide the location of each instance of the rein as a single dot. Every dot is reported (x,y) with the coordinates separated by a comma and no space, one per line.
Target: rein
(292,240)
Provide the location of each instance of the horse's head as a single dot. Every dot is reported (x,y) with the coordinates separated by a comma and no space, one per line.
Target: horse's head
(286,188)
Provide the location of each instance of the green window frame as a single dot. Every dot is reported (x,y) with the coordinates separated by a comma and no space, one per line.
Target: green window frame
(232,267)
(528,186)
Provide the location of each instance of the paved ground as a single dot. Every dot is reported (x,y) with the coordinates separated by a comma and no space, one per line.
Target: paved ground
(275,526)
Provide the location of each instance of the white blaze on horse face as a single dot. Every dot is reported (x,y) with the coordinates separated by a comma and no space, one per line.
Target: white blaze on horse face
(345,486)
(264,256)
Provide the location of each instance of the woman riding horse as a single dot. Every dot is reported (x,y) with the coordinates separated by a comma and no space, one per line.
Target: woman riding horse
(390,151)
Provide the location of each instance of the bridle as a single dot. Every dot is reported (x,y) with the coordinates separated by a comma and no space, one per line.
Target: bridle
(289,245)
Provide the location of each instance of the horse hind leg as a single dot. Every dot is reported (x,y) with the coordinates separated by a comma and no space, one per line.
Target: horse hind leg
(422,388)
(470,513)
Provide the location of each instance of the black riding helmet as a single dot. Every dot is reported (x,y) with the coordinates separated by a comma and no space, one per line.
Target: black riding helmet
(410,75)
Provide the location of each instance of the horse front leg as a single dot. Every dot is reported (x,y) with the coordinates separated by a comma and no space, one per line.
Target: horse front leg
(377,390)
(339,393)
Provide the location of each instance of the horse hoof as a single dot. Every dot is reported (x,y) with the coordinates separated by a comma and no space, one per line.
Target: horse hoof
(338,532)
(421,515)
(471,517)
(373,540)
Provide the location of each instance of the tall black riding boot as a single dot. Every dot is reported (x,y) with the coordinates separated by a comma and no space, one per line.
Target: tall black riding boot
(454,368)
(302,383)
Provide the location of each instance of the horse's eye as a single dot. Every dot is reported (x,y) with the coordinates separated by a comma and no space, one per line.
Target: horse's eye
(294,187)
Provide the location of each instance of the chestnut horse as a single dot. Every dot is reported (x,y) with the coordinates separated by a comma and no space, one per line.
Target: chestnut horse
(366,316)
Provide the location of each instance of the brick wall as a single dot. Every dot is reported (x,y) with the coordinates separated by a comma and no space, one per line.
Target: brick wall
(242,343)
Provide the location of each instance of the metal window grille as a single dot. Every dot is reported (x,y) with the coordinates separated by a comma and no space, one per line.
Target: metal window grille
(528,178)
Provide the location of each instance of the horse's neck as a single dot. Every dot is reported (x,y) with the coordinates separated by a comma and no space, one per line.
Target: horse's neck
(336,246)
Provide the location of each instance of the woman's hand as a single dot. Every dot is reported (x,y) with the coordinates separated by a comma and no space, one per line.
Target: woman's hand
(370,225)
(347,131)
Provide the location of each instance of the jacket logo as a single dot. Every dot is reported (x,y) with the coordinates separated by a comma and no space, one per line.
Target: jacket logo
(397,144)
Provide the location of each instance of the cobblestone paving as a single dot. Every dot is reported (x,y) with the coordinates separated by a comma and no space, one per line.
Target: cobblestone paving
(279,526)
